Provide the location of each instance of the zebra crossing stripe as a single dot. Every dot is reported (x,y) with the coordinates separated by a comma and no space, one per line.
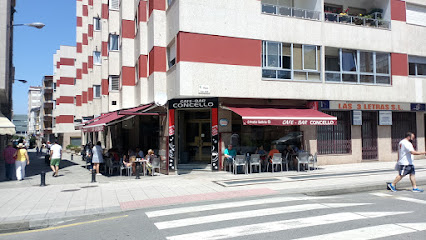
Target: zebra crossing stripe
(235,204)
(381,194)
(367,233)
(414,200)
(277,226)
(250,214)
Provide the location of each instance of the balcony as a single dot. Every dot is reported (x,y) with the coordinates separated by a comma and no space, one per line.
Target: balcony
(375,13)
(298,9)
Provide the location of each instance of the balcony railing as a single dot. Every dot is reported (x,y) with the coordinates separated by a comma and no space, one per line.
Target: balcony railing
(355,20)
(290,11)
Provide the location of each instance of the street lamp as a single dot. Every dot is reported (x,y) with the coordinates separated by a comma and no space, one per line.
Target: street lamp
(21,80)
(37,25)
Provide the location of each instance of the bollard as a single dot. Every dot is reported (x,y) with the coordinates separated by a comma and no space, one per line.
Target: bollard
(43,179)
(72,156)
(138,168)
(93,175)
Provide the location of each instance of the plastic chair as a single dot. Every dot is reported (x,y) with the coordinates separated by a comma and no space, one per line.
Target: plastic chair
(313,160)
(302,158)
(286,161)
(276,160)
(255,161)
(127,168)
(111,166)
(227,163)
(240,160)
(155,165)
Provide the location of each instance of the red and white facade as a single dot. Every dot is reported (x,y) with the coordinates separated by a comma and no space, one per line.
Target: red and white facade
(134,52)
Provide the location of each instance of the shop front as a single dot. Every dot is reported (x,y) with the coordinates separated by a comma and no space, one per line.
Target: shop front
(368,131)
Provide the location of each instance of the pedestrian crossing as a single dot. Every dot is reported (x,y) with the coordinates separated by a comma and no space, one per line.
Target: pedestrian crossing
(256,217)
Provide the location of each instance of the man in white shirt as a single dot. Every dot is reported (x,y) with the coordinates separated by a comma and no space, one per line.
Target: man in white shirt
(405,162)
(55,158)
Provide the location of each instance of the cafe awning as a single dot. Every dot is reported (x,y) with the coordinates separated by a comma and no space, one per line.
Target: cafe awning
(283,117)
(6,126)
(99,123)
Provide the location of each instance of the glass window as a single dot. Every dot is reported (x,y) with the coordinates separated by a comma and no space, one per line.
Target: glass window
(96,91)
(114,4)
(382,80)
(171,55)
(382,63)
(284,74)
(367,79)
(349,60)
(309,57)
(97,24)
(421,69)
(113,42)
(366,62)
(273,54)
(351,78)
(332,59)
(297,57)
(286,56)
(114,83)
(96,57)
(412,68)
(269,73)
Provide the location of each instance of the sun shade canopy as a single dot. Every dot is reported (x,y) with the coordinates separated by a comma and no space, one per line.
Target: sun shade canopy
(283,117)
(6,126)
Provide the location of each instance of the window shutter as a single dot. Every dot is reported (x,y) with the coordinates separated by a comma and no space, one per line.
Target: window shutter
(114,83)
(416,14)
(114,4)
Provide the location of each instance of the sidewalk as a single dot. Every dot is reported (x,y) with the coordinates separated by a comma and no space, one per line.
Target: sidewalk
(24,204)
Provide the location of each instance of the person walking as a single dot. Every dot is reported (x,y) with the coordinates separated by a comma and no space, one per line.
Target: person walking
(97,157)
(22,160)
(405,162)
(8,155)
(55,158)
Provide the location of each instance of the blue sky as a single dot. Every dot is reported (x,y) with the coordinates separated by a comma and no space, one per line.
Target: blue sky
(34,48)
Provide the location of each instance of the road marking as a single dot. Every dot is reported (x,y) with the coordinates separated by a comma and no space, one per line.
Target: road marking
(63,226)
(235,204)
(277,226)
(250,214)
(368,233)
(381,194)
(414,200)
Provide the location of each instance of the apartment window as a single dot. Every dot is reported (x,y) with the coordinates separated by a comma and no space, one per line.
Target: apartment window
(290,61)
(96,24)
(355,66)
(171,55)
(97,57)
(114,4)
(137,72)
(96,91)
(335,139)
(113,42)
(114,83)
(417,66)
(416,14)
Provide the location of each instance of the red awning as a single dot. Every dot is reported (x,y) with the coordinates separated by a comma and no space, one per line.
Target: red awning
(99,123)
(283,117)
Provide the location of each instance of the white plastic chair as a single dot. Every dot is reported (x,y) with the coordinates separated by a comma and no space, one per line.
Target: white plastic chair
(240,160)
(302,158)
(314,161)
(227,163)
(276,160)
(111,166)
(155,165)
(286,161)
(255,161)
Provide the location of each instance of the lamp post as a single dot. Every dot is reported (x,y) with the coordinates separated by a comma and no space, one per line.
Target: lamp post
(37,25)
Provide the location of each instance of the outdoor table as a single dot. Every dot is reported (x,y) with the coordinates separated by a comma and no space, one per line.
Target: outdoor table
(138,162)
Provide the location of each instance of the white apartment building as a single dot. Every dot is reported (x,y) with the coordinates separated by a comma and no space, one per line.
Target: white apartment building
(189,77)
(64,100)
(34,104)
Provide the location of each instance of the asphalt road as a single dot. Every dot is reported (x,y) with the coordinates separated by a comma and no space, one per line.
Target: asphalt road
(370,215)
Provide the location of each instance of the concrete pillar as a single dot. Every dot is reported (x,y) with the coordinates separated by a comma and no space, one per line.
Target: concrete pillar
(309,138)
(384,143)
(356,144)
(420,118)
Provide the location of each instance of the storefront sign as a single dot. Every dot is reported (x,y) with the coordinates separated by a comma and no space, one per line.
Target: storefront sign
(344,105)
(172,147)
(193,103)
(385,118)
(215,141)
(418,107)
(223,122)
(323,105)
(288,122)
(357,117)
(204,89)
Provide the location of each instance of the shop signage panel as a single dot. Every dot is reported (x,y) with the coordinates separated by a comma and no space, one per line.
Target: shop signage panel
(385,118)
(223,122)
(215,141)
(357,117)
(204,89)
(418,107)
(193,103)
(373,106)
(288,122)
(324,105)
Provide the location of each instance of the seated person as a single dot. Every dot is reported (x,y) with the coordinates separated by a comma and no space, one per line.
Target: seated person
(273,151)
(150,157)
(139,153)
(129,160)
(260,151)
(229,154)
